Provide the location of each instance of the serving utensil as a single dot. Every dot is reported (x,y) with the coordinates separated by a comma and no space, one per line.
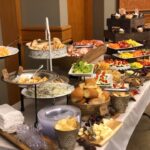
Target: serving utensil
(37,71)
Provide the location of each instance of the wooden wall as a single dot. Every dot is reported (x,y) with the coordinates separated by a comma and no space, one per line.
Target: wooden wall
(10,32)
(132,4)
(142,5)
(80,17)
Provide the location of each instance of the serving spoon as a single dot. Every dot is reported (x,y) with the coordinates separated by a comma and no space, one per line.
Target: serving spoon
(37,71)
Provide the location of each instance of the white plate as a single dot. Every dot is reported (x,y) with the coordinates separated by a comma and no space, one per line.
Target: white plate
(44,54)
(129,48)
(12,51)
(109,80)
(81,74)
(69,89)
(116,55)
(119,89)
(120,68)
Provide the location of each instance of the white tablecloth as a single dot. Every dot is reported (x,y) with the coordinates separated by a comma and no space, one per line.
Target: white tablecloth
(130,119)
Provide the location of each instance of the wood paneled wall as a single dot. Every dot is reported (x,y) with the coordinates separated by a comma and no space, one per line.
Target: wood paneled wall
(132,4)
(80,17)
(142,5)
(31,33)
(147,18)
(10,32)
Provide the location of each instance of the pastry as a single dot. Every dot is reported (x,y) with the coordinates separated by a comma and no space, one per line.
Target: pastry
(90,93)
(95,101)
(77,94)
(90,83)
(106,95)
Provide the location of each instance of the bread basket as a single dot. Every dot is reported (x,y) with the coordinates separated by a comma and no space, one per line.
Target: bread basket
(92,109)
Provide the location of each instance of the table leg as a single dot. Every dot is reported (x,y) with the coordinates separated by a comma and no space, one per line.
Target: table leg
(35,94)
(22,102)
(67,99)
(54,101)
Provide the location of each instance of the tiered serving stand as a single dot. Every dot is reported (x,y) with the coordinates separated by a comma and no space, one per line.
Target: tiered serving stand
(38,54)
(12,76)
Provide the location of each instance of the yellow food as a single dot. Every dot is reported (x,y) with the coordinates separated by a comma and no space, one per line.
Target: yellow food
(57,44)
(136,65)
(3,51)
(36,79)
(102,65)
(99,131)
(126,55)
(67,124)
(132,42)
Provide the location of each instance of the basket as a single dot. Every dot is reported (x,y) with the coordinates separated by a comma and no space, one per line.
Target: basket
(120,103)
(87,110)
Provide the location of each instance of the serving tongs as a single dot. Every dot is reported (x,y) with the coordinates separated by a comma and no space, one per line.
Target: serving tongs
(83,46)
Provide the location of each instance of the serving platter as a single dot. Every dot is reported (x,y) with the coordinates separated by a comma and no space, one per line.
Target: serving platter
(128,48)
(11,50)
(115,125)
(117,55)
(125,89)
(49,90)
(108,79)
(81,74)
(120,67)
(44,54)
(13,77)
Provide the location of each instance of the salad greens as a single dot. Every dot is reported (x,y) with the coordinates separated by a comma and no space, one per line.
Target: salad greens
(82,67)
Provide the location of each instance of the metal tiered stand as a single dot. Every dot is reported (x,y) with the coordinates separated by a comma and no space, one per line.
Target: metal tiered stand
(45,55)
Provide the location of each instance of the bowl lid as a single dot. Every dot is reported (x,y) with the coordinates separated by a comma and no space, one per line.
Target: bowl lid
(55,113)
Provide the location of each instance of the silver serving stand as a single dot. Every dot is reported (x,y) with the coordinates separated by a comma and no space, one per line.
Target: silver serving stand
(49,66)
(13,75)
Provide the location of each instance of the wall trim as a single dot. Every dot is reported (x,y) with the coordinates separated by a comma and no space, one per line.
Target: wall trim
(62,32)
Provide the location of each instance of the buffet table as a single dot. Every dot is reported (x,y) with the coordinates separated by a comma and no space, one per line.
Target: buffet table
(130,119)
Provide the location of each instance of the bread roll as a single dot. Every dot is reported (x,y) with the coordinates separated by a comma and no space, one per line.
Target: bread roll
(99,90)
(90,82)
(81,85)
(94,101)
(77,95)
(82,101)
(90,93)
(106,95)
